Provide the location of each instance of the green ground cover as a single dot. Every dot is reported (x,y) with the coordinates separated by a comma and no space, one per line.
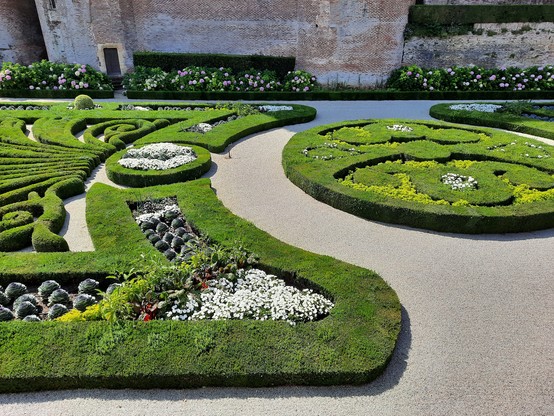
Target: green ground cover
(432,175)
(351,345)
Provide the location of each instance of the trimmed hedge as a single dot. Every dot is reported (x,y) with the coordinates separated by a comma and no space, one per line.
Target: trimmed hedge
(370,95)
(352,345)
(315,162)
(448,14)
(172,61)
(505,121)
(142,178)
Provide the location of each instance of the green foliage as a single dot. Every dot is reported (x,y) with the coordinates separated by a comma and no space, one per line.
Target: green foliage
(516,107)
(398,171)
(83,102)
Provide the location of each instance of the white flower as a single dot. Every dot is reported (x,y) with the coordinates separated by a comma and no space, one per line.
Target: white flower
(158,156)
(459,182)
(271,108)
(484,108)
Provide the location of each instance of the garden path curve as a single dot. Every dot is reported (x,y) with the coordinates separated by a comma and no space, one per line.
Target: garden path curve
(477,319)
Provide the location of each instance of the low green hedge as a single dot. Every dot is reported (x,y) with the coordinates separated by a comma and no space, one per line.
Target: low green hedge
(499,120)
(350,346)
(461,14)
(142,178)
(331,95)
(171,61)
(321,159)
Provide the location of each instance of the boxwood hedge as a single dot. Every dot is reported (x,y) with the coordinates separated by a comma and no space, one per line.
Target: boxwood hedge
(392,171)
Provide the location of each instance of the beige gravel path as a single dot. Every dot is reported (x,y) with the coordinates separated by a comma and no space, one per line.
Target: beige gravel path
(477,334)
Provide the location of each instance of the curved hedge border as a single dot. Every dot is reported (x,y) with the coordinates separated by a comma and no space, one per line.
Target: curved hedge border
(352,345)
(319,177)
(370,95)
(55,94)
(28,166)
(505,121)
(141,178)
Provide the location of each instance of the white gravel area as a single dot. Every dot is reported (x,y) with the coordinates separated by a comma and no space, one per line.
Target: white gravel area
(477,310)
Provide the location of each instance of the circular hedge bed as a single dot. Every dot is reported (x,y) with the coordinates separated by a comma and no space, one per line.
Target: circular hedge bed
(431,175)
(140,178)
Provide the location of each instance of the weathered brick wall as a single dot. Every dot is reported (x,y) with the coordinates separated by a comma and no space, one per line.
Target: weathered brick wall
(475,2)
(507,44)
(350,41)
(20,35)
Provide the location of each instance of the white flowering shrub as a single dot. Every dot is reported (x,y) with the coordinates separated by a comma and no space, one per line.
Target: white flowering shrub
(459,182)
(254,295)
(158,156)
(272,108)
(483,108)
(400,127)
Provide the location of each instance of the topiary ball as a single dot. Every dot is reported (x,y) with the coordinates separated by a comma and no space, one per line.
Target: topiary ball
(58,296)
(56,311)
(46,288)
(5,314)
(31,318)
(83,102)
(82,301)
(25,308)
(15,289)
(88,286)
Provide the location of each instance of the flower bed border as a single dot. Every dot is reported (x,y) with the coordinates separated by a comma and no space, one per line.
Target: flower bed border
(351,346)
(330,95)
(320,182)
(141,178)
(498,120)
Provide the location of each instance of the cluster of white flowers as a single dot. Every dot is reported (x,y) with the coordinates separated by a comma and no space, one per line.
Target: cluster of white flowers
(157,156)
(271,108)
(459,182)
(172,211)
(400,127)
(255,295)
(484,108)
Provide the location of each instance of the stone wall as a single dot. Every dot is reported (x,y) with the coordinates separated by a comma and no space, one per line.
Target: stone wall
(20,35)
(350,41)
(497,45)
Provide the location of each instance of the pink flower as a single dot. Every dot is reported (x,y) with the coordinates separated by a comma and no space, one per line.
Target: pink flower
(8,77)
(261,88)
(478,77)
(306,88)
(501,85)
(409,73)
(492,77)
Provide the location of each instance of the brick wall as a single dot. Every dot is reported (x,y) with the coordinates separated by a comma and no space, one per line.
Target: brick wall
(20,35)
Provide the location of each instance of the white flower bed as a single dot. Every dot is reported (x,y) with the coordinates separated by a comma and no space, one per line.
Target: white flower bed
(400,127)
(459,182)
(255,295)
(271,108)
(484,108)
(158,156)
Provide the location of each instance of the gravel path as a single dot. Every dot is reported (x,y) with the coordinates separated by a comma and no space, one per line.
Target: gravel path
(477,319)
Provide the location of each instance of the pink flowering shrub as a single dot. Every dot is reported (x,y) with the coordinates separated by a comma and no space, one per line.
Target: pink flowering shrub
(472,78)
(216,79)
(45,75)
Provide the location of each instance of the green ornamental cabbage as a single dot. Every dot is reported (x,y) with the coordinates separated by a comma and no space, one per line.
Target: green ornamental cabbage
(82,301)
(15,289)
(24,309)
(27,297)
(5,314)
(88,286)
(58,296)
(4,300)
(56,311)
(47,287)
(31,318)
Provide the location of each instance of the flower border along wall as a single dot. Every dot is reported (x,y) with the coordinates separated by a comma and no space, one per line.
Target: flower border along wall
(432,175)
(353,344)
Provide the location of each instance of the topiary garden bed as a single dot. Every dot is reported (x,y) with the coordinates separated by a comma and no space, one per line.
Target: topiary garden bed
(431,175)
